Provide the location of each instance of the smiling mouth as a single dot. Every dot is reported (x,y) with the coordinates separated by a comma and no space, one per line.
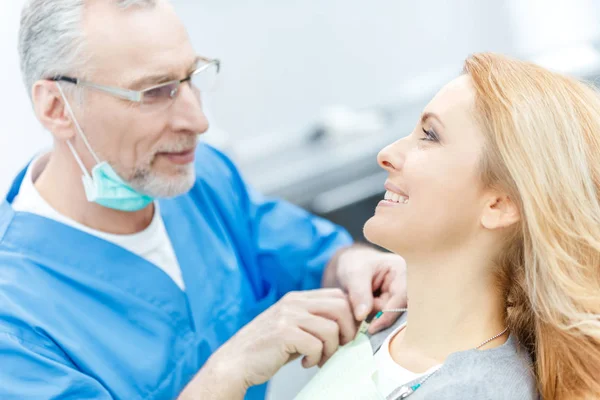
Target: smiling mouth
(395,197)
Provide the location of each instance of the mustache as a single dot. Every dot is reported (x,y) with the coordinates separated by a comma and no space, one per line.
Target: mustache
(178,146)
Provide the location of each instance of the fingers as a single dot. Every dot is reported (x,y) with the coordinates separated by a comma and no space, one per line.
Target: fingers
(380,302)
(317,294)
(337,310)
(327,331)
(328,303)
(304,343)
(387,319)
(379,279)
(360,292)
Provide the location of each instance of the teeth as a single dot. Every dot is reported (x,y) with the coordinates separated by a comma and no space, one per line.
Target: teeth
(395,197)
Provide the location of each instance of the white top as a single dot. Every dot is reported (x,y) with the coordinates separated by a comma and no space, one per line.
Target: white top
(152,243)
(389,375)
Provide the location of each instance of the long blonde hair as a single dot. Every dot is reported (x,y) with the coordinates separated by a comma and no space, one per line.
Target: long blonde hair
(543,147)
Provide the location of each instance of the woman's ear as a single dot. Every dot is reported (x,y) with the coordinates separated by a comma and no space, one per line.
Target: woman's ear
(49,107)
(500,211)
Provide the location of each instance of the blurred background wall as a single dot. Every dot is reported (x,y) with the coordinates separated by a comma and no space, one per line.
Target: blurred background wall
(312,89)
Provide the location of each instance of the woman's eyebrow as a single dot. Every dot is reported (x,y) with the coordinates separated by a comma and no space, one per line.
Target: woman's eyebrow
(427,115)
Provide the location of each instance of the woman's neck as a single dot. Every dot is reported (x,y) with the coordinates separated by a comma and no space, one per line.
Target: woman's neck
(453,304)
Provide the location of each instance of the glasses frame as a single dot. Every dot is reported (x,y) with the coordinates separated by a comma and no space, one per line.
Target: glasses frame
(137,96)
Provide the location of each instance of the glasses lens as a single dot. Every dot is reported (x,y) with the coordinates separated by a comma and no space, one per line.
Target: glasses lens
(202,81)
(205,80)
(160,95)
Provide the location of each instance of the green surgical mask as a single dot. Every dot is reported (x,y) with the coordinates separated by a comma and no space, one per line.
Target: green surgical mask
(104,186)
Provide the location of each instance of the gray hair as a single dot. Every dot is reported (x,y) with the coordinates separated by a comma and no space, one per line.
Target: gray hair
(51,40)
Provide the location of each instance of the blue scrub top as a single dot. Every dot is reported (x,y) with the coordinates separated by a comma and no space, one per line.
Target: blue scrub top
(82,318)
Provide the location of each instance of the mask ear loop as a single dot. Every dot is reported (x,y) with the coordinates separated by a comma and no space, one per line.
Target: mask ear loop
(80,131)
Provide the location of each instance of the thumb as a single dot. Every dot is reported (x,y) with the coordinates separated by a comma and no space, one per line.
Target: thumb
(361,297)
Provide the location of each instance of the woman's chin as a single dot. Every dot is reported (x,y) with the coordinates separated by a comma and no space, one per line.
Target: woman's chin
(378,232)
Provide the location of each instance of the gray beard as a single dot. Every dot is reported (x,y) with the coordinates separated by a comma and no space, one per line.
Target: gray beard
(158,186)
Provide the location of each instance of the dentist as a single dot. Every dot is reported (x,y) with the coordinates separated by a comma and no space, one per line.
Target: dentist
(135,263)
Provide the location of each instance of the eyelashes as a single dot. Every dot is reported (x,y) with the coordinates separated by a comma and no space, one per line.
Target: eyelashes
(430,136)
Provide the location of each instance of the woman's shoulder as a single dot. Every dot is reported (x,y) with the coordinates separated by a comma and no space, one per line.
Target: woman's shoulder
(504,372)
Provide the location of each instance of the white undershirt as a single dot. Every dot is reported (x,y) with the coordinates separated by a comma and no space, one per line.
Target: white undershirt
(390,375)
(152,243)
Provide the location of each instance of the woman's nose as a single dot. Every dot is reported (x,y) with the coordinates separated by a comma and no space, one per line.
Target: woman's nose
(391,157)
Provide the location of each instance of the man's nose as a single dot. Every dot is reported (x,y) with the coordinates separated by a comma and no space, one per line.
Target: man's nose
(188,115)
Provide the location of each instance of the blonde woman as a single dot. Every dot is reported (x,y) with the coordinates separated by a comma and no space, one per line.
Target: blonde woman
(493,200)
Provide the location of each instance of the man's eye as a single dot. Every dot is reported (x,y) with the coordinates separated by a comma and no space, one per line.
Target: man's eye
(161,93)
(158,92)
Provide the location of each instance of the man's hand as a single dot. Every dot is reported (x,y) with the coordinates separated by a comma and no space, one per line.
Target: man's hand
(312,324)
(374,281)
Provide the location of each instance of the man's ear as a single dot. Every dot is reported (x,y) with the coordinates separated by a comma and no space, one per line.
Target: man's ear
(49,107)
(500,211)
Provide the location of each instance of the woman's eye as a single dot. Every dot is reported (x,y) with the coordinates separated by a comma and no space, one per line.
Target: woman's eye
(430,135)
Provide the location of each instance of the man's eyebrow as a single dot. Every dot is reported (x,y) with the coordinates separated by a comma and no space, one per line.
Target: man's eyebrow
(427,115)
(157,79)
(150,80)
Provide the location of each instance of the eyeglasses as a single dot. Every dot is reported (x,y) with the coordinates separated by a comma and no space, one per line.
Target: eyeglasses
(157,97)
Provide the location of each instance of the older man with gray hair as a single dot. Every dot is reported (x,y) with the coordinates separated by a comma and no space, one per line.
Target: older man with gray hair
(135,263)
